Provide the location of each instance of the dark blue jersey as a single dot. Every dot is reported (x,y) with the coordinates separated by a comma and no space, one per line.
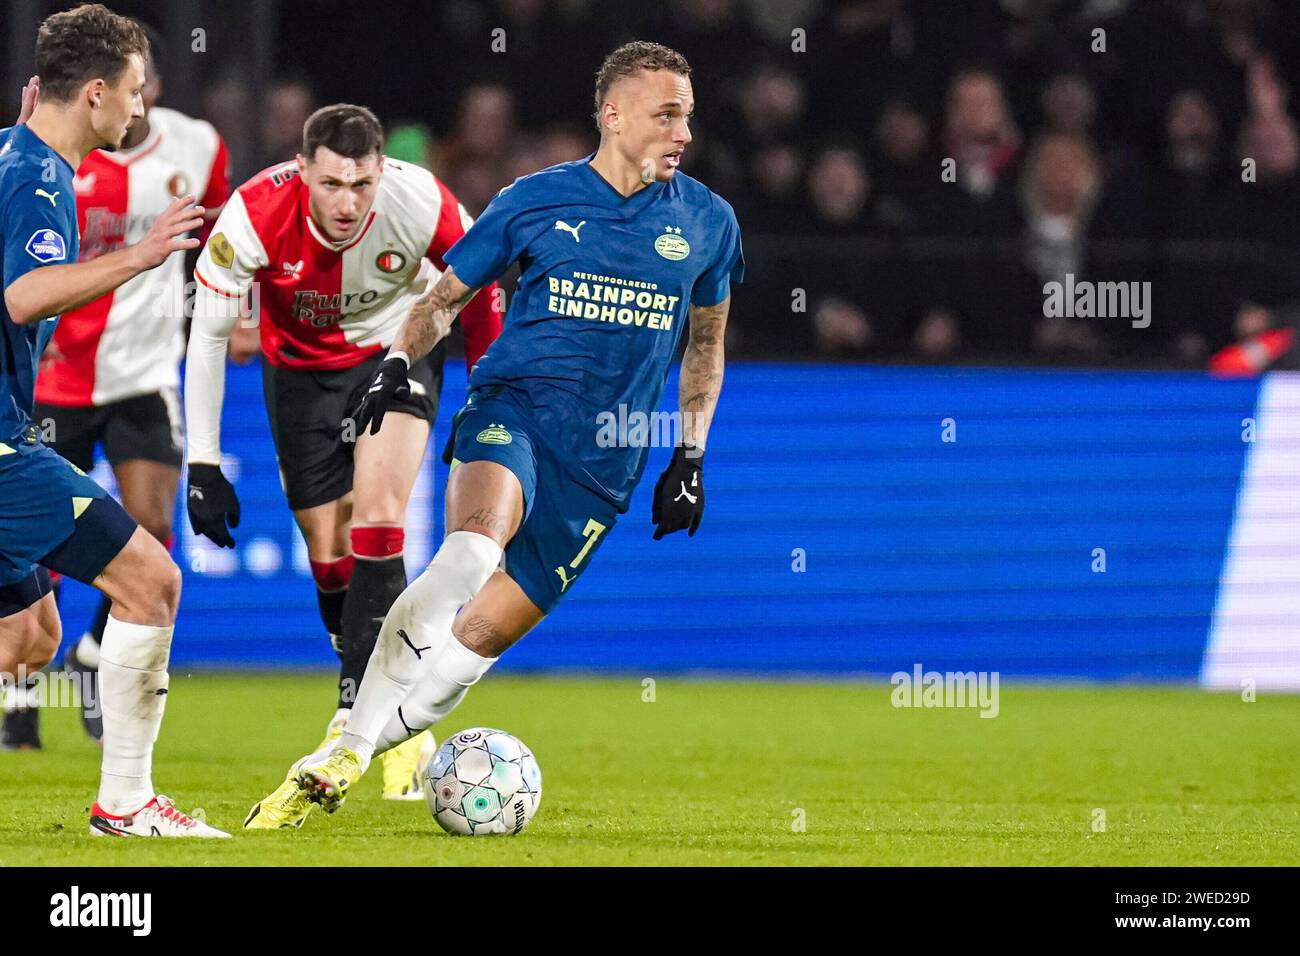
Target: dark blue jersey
(604,288)
(38,227)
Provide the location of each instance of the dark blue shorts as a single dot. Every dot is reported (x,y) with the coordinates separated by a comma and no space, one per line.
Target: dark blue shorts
(44,502)
(564,521)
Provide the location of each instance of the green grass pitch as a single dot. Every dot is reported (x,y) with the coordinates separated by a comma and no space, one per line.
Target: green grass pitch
(722,772)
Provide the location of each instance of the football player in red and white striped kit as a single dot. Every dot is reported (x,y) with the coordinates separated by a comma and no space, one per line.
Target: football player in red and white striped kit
(331,251)
(110,375)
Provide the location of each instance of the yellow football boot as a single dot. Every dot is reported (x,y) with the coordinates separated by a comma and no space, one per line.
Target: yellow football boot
(288,806)
(327,780)
(285,808)
(404,766)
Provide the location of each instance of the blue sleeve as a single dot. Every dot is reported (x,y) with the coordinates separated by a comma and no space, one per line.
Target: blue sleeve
(728,266)
(492,243)
(37,229)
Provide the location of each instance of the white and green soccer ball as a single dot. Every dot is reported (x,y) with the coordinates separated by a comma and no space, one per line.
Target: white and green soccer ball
(481,782)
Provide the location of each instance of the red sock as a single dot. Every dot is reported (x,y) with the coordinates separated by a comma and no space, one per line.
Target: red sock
(332,575)
(377,541)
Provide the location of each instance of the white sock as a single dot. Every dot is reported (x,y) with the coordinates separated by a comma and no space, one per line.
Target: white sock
(133,695)
(87,651)
(418,713)
(416,633)
(436,696)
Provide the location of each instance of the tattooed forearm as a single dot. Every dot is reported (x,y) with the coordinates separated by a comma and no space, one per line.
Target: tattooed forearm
(702,367)
(430,318)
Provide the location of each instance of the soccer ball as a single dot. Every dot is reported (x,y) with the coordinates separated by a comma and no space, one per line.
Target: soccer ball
(483,781)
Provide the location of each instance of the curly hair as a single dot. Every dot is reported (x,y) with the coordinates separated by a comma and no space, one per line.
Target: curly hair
(82,44)
(630,57)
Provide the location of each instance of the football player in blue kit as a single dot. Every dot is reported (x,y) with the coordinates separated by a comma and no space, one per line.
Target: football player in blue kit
(618,252)
(90,64)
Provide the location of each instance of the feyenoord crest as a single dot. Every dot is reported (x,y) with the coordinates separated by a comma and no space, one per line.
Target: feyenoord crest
(178,185)
(390,260)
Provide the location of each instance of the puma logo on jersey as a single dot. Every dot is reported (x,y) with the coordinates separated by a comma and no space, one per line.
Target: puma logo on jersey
(687,495)
(561,224)
(49,196)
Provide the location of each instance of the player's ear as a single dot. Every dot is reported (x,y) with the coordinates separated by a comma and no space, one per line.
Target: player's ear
(95,93)
(301,160)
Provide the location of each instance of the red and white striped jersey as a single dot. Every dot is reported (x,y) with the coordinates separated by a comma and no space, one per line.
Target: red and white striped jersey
(131,341)
(328,305)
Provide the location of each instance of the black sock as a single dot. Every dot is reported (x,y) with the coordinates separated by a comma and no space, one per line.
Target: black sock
(100,620)
(376,583)
(20,727)
(22,696)
(331,615)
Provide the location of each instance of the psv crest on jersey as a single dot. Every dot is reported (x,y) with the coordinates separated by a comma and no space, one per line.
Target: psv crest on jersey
(671,245)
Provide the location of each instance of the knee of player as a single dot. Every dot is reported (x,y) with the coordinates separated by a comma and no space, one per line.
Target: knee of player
(469,555)
(170,584)
(379,508)
(43,636)
(162,579)
(41,652)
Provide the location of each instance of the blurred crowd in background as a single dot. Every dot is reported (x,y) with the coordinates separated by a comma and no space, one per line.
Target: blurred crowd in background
(1114,157)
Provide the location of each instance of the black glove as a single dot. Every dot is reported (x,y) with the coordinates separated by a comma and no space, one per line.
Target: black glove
(679,493)
(212,503)
(390,385)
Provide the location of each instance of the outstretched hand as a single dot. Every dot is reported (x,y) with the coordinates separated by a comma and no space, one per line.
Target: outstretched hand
(168,232)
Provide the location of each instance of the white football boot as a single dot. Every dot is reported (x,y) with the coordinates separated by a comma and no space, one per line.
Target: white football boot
(157,818)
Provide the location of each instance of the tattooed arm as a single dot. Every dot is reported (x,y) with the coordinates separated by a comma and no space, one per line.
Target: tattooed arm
(430,318)
(702,365)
